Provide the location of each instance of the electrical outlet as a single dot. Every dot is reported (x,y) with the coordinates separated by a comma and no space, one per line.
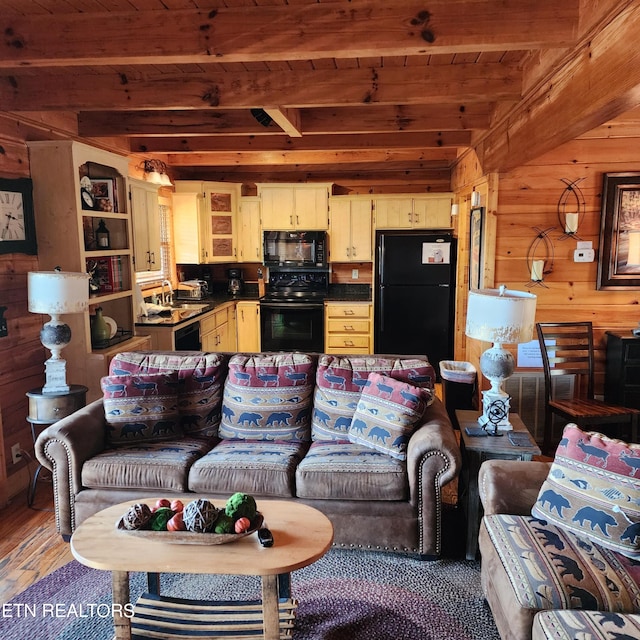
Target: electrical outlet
(354,274)
(16,453)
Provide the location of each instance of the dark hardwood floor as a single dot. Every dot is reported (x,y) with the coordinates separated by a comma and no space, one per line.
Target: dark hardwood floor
(30,547)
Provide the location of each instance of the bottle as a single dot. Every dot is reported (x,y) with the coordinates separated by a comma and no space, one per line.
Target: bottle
(102,236)
(100,332)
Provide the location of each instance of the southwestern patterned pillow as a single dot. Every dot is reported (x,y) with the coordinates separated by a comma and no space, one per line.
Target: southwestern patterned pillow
(268,397)
(141,408)
(339,383)
(387,414)
(200,378)
(593,491)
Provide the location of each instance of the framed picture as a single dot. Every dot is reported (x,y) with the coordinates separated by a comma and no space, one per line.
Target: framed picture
(619,259)
(17,225)
(220,202)
(476,237)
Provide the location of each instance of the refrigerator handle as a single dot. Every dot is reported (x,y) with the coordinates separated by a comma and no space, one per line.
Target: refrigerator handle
(381,297)
(381,260)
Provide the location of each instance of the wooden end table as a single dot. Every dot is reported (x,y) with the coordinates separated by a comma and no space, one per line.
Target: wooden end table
(475,450)
(301,535)
(46,409)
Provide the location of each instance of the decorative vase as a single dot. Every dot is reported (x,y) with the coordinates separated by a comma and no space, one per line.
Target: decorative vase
(100,331)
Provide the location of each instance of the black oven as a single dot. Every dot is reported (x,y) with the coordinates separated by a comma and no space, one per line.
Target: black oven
(292,326)
(292,311)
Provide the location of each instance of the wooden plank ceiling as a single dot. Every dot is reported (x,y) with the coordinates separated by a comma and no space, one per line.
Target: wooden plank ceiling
(379,89)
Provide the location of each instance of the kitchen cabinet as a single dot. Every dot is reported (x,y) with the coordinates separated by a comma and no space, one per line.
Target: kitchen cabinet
(75,187)
(249,230)
(248,325)
(622,378)
(286,207)
(218,329)
(348,327)
(205,221)
(350,232)
(431,211)
(145,216)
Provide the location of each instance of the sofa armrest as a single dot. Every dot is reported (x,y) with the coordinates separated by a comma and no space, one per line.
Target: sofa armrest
(63,448)
(433,460)
(511,486)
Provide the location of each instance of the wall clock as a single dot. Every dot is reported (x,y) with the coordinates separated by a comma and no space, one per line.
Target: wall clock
(17,227)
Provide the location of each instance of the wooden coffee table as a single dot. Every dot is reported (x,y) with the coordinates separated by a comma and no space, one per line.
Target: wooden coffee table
(301,535)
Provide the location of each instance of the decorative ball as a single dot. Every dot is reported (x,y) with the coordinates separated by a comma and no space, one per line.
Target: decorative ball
(160,518)
(137,517)
(200,516)
(241,505)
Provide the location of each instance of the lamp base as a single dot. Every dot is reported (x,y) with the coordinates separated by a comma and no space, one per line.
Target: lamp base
(495,412)
(55,376)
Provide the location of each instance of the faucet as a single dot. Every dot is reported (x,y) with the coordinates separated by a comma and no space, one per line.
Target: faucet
(167,298)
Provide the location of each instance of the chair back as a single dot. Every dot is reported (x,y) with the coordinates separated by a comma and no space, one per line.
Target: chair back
(567,349)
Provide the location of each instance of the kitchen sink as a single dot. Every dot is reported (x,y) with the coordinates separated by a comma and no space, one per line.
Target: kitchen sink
(190,306)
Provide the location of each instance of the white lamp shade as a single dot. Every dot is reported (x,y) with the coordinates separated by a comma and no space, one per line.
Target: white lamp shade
(501,316)
(57,292)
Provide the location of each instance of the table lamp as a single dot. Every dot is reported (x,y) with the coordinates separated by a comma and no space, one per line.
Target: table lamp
(55,293)
(502,317)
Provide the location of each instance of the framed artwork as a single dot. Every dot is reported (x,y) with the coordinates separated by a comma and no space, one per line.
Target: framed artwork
(619,259)
(476,233)
(220,202)
(17,225)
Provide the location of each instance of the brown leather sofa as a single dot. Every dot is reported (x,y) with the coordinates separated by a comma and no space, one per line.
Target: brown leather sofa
(373,500)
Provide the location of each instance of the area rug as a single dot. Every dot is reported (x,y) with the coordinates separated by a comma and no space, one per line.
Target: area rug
(347,595)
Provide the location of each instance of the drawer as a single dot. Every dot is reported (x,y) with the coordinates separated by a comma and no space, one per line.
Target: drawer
(347,342)
(350,350)
(214,320)
(348,326)
(348,310)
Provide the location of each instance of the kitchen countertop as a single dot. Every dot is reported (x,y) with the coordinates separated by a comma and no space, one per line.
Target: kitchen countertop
(176,317)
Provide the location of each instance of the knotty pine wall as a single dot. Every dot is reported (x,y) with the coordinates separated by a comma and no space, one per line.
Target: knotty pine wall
(22,355)
(527,197)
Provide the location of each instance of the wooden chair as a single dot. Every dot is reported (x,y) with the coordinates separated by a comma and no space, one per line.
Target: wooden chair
(570,352)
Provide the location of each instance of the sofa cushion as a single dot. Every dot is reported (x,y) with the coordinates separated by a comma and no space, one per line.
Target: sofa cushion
(569,625)
(141,407)
(592,490)
(152,465)
(341,470)
(549,567)
(200,377)
(264,468)
(268,397)
(340,380)
(387,414)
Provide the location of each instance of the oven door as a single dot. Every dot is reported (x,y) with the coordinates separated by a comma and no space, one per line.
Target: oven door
(292,326)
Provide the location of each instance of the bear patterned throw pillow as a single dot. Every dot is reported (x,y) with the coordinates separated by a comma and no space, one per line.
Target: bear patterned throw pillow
(592,490)
(141,408)
(387,413)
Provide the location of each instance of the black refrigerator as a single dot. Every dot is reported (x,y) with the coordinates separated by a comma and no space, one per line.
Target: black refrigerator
(415,293)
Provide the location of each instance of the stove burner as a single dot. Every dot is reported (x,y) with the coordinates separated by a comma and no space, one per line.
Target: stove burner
(298,286)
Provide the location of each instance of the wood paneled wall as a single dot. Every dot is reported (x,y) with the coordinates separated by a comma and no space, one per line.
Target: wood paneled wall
(21,353)
(527,197)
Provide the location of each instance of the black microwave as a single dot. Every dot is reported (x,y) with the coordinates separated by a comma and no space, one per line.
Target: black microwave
(306,249)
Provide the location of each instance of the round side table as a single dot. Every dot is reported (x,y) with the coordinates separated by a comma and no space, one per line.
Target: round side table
(46,409)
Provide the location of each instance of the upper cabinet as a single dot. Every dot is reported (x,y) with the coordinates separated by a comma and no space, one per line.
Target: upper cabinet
(249,230)
(145,217)
(83,224)
(205,221)
(431,211)
(303,207)
(350,231)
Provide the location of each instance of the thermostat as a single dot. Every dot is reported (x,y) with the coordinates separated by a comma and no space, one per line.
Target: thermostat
(584,255)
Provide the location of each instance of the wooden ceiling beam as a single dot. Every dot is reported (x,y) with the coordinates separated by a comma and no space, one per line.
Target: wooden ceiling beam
(360,119)
(287,119)
(286,32)
(440,157)
(403,140)
(599,82)
(462,83)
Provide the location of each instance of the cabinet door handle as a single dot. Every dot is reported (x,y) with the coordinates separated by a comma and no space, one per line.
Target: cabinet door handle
(348,312)
(297,220)
(348,327)
(242,314)
(355,252)
(348,343)
(291,220)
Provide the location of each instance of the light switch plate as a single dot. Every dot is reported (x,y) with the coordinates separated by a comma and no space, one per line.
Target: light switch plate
(584,255)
